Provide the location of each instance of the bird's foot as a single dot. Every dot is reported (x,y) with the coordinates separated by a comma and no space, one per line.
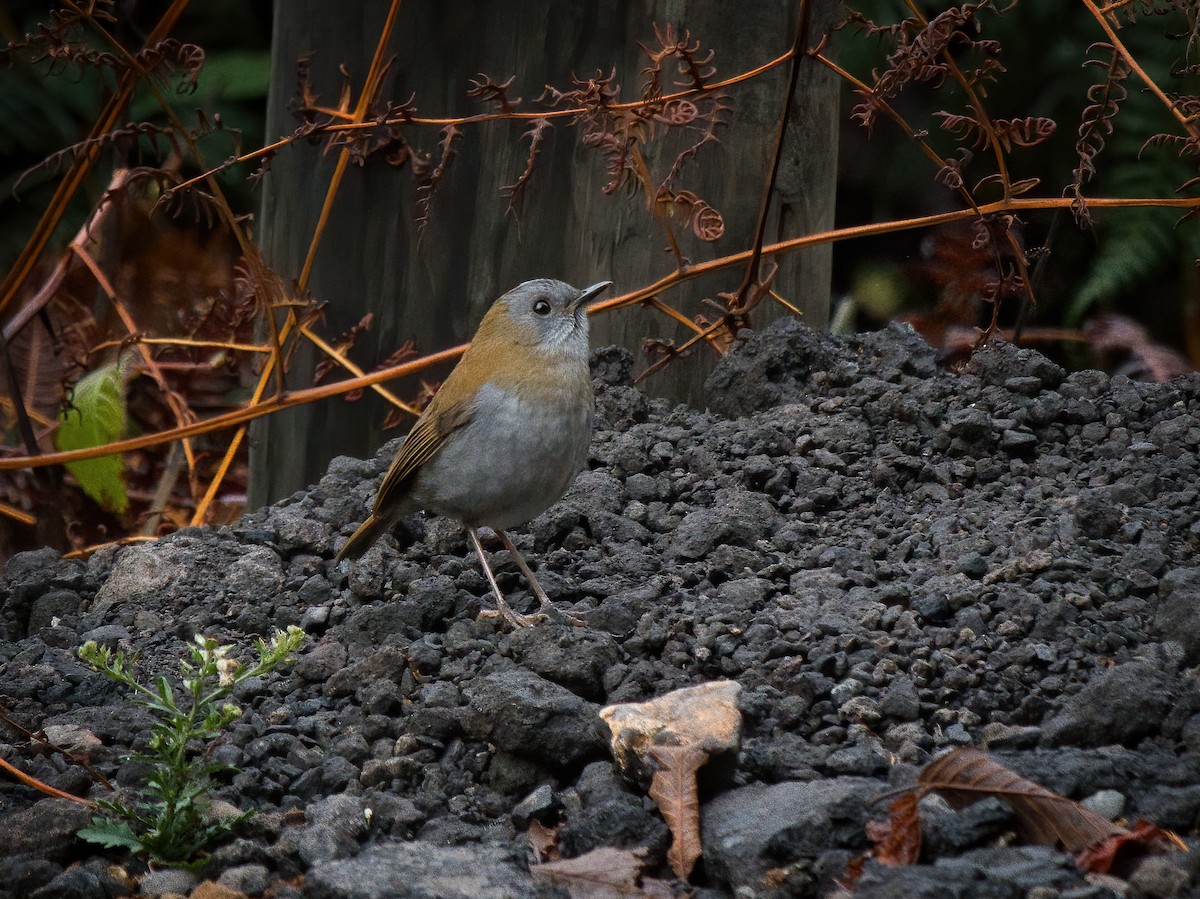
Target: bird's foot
(513,617)
(551,612)
(547,613)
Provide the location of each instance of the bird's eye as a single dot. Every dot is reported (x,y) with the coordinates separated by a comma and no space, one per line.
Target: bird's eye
(541,306)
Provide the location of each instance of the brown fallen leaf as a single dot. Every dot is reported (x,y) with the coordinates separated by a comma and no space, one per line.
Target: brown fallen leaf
(898,839)
(674,789)
(1145,838)
(603,873)
(543,842)
(966,775)
(663,742)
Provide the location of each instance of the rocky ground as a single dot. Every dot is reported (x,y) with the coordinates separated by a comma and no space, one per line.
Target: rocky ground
(889,558)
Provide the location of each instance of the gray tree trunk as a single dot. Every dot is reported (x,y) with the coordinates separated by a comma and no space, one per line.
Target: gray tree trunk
(434,288)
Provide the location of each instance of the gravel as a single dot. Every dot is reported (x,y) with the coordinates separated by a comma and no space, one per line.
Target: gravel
(891,559)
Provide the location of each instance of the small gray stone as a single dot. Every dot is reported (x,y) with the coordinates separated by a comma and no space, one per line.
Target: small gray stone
(574,658)
(900,700)
(140,572)
(250,879)
(1158,877)
(995,735)
(1018,443)
(422,870)
(167,880)
(1109,803)
(541,805)
(110,635)
(74,883)
(1178,613)
(1118,705)
(322,661)
(52,606)
(314,617)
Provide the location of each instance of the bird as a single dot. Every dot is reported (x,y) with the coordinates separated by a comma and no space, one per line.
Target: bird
(505,435)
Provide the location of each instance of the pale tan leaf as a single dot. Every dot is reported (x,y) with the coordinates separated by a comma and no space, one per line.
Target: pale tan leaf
(705,715)
(966,775)
(603,873)
(674,789)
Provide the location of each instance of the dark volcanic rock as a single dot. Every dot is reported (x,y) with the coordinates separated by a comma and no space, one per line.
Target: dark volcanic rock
(525,714)
(1178,614)
(890,559)
(421,871)
(45,829)
(1120,705)
(749,830)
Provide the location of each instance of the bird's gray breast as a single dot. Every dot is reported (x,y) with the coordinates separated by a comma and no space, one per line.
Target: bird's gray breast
(512,461)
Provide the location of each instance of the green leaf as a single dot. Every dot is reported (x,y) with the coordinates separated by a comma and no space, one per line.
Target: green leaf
(96,416)
(112,835)
(166,695)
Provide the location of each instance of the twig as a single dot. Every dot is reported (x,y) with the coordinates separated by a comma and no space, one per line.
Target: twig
(346,363)
(299,397)
(41,786)
(9,511)
(567,113)
(74,757)
(800,41)
(162,493)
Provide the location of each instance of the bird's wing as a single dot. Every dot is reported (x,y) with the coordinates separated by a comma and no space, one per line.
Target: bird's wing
(423,442)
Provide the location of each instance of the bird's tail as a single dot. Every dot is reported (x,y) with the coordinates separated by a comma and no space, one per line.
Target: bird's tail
(362,539)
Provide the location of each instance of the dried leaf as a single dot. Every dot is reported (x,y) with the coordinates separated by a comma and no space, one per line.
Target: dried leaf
(1020,187)
(341,346)
(848,882)
(538,129)
(967,775)
(543,842)
(705,715)
(604,873)
(898,839)
(1145,839)
(489,91)
(674,789)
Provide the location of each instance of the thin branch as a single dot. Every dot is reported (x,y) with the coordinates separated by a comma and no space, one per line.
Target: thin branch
(41,786)
(799,41)
(568,113)
(300,397)
(247,413)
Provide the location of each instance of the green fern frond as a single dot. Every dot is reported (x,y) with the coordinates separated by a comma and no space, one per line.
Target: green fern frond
(1137,245)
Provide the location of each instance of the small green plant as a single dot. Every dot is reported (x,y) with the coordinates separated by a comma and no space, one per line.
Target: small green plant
(170,822)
